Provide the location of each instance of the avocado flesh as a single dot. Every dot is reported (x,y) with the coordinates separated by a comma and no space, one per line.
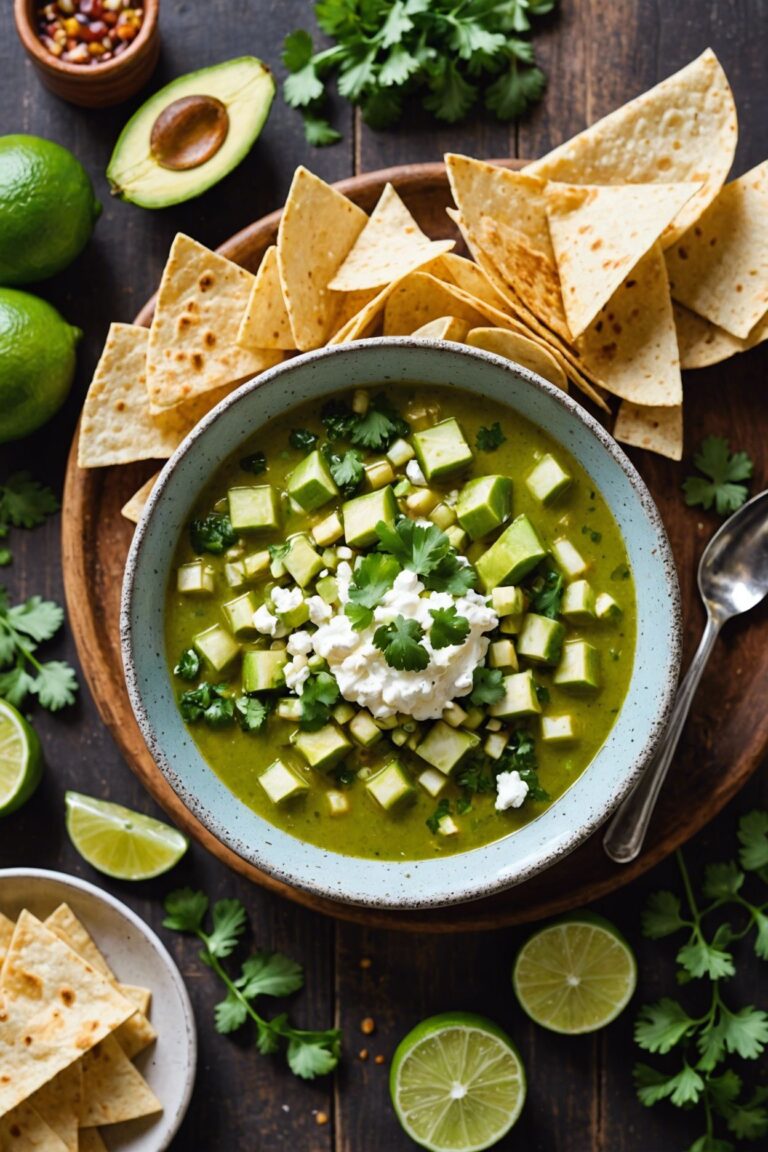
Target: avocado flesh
(244,86)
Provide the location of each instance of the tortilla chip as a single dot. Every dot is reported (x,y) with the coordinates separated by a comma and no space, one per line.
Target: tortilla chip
(719,267)
(632,346)
(530,272)
(6,935)
(522,350)
(24,1130)
(91,1141)
(113,1088)
(193,339)
(419,298)
(444,328)
(599,234)
(60,1103)
(682,130)
(55,1008)
(468,276)
(133,508)
(658,430)
(317,230)
(265,323)
(702,343)
(390,245)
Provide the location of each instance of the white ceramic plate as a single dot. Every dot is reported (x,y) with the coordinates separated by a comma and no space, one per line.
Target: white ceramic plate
(137,956)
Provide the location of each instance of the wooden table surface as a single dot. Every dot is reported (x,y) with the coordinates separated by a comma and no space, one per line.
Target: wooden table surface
(597,55)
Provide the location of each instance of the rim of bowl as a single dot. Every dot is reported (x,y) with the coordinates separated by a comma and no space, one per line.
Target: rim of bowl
(25,26)
(473,889)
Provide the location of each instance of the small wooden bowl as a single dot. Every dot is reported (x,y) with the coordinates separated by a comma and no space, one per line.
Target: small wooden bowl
(92,85)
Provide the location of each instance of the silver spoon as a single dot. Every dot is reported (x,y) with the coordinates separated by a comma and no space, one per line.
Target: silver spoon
(733,577)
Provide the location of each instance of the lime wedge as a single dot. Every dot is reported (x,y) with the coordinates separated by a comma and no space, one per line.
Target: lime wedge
(119,842)
(457,1083)
(21,759)
(575,975)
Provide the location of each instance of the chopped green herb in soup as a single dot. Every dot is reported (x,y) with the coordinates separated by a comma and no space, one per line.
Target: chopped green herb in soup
(400,625)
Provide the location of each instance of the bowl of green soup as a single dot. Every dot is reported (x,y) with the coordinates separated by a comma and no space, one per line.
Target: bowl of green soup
(400,623)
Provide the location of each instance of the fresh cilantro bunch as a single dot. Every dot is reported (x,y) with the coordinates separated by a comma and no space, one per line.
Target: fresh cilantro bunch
(429,553)
(447,53)
(725,473)
(23,627)
(374,429)
(699,1072)
(215,704)
(318,697)
(309,1053)
(23,504)
(346,469)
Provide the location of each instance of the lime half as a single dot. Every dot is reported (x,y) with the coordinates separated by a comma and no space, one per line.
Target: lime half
(119,842)
(21,759)
(575,975)
(457,1083)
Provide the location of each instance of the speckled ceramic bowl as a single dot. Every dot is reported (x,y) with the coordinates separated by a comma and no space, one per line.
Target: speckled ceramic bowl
(590,799)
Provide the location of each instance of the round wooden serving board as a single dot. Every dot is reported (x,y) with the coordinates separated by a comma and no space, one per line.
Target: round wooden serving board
(727,732)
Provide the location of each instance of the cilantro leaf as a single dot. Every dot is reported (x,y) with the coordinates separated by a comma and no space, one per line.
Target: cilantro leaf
(722,880)
(682,1089)
(22,628)
(547,594)
(753,837)
(213,533)
(400,643)
(420,549)
(487,686)
(515,90)
(25,503)
(346,469)
(185,910)
(661,1026)
(252,713)
(724,471)
(520,756)
(269,974)
(211,703)
(360,616)
(256,463)
(443,809)
(229,920)
(700,958)
(311,1055)
(230,1014)
(662,916)
(16,684)
(188,666)
(320,694)
(303,439)
(489,439)
(375,429)
(55,685)
(448,628)
(279,551)
(451,95)
(6,557)
(373,578)
(37,618)
(318,132)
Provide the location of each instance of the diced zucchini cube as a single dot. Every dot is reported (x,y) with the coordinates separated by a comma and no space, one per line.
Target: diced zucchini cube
(475,717)
(493,725)
(547,480)
(443,516)
(343,712)
(447,826)
(277,569)
(288,708)
(302,561)
(327,588)
(606,607)
(195,579)
(239,616)
(569,559)
(399,453)
(363,513)
(292,618)
(519,697)
(363,730)
(254,509)
(579,667)
(403,488)
(540,639)
(501,654)
(421,501)
(399,737)
(557,729)
(454,714)
(378,473)
(422,414)
(484,504)
(578,603)
(217,647)
(328,531)
(283,783)
(256,564)
(234,574)
(311,484)
(457,536)
(391,787)
(387,723)
(361,401)
(323,749)
(444,747)
(442,449)
(516,552)
(263,669)
(508,601)
(317,663)
(338,802)
(495,744)
(432,781)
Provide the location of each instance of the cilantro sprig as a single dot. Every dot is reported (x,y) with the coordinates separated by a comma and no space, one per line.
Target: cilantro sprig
(346,469)
(24,503)
(699,1043)
(428,552)
(213,533)
(376,428)
(373,578)
(23,628)
(546,590)
(309,1053)
(448,628)
(489,439)
(400,641)
(449,54)
(722,484)
(216,705)
(318,697)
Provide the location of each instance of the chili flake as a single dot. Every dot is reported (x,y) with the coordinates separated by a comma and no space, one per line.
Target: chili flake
(89,31)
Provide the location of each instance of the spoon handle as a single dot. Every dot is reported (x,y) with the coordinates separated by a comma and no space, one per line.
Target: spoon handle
(625,834)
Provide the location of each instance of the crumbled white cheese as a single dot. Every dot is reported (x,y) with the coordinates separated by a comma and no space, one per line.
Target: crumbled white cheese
(343,552)
(268,624)
(286,599)
(511,790)
(296,673)
(319,611)
(299,644)
(415,475)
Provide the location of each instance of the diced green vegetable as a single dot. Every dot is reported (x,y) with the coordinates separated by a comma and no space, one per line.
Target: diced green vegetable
(516,552)
(557,729)
(501,654)
(327,588)
(239,616)
(432,781)
(328,531)
(519,699)
(495,744)
(289,708)
(263,669)
(442,449)
(324,748)
(195,579)
(443,516)
(422,501)
(578,603)
(475,717)
(606,607)
(399,453)
(363,513)
(234,574)
(283,783)
(391,787)
(547,480)
(579,667)
(569,559)
(445,747)
(254,509)
(447,826)
(378,473)
(484,504)
(302,561)
(338,802)
(343,712)
(217,648)
(540,639)
(454,714)
(457,536)
(311,484)
(363,729)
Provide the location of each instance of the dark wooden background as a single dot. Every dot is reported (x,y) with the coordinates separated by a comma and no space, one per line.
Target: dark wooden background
(597,53)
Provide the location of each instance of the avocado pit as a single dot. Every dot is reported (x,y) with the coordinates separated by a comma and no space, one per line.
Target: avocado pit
(189,132)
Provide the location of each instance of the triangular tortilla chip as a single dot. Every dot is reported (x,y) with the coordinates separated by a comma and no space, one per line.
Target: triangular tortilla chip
(55,1007)
(317,230)
(193,338)
(60,1104)
(133,508)
(113,1089)
(702,343)
(6,935)
(419,298)
(443,328)
(682,130)
(390,245)
(599,234)
(265,323)
(24,1130)
(719,267)
(657,430)
(522,350)
(91,1141)
(468,276)
(530,272)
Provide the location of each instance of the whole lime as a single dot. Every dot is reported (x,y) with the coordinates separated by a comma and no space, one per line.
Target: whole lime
(47,208)
(37,362)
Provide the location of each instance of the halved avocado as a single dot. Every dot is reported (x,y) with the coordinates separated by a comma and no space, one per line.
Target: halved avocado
(191,133)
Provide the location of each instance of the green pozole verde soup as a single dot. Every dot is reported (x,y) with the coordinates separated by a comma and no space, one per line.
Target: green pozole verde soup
(400,626)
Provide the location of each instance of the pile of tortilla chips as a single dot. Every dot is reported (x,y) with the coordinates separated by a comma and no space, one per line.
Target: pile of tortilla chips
(611,263)
(68,1034)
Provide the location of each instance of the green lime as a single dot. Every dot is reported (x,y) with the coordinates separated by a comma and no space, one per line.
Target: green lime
(37,362)
(119,842)
(575,975)
(47,208)
(457,1083)
(21,759)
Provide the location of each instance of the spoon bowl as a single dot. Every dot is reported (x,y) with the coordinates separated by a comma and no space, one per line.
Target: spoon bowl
(733,570)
